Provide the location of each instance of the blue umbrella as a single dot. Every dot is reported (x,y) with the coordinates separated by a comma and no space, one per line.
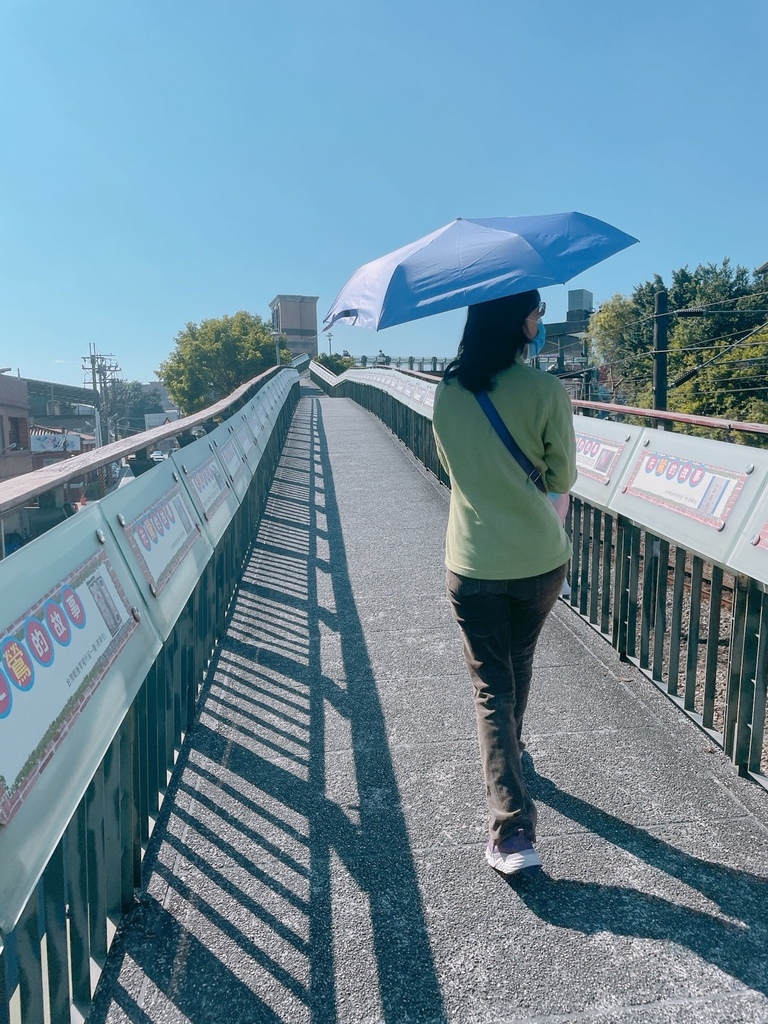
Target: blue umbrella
(470,261)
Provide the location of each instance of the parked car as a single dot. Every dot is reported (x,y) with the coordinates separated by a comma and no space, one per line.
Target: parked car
(158,456)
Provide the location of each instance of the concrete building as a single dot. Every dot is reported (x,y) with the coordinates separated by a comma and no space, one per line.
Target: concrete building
(15,454)
(156,387)
(58,407)
(565,344)
(39,427)
(295,316)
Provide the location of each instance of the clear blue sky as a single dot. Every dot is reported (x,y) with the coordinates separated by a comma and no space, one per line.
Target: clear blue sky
(166,161)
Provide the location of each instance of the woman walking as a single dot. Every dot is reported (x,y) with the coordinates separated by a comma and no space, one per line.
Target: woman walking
(506,549)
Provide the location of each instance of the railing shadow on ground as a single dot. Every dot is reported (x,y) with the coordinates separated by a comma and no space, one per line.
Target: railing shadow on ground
(259,880)
(734,941)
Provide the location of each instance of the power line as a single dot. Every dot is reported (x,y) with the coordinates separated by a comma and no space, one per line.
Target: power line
(703,306)
(688,374)
(735,390)
(704,346)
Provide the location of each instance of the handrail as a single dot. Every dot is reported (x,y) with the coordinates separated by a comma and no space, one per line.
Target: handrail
(17,491)
(146,578)
(711,422)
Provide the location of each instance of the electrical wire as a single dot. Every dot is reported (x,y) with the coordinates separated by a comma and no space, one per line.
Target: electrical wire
(649,353)
(700,346)
(703,305)
(733,391)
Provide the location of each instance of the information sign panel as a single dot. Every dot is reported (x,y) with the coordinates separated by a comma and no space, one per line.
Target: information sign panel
(691,490)
(597,457)
(750,553)
(603,450)
(245,438)
(160,535)
(52,658)
(267,399)
(208,485)
(256,417)
(704,492)
(231,455)
(74,651)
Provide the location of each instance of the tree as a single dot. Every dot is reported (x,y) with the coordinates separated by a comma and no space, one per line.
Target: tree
(128,402)
(732,384)
(335,363)
(622,340)
(715,362)
(212,359)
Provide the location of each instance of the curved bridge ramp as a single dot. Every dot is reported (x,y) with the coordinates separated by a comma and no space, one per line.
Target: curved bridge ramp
(319,855)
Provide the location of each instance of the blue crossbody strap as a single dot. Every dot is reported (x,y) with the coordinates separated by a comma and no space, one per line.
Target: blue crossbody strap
(515,450)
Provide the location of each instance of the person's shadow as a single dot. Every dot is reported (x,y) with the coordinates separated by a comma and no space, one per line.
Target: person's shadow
(736,945)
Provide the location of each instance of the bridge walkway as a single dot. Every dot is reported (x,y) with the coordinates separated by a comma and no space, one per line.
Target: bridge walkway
(319,854)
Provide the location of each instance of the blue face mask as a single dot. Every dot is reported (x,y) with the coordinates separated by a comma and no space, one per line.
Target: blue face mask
(537,344)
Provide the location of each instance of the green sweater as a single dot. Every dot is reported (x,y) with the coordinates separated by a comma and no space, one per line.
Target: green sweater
(500,525)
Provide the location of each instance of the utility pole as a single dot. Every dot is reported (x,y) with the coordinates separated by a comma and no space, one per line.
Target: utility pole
(103,372)
(329,336)
(660,345)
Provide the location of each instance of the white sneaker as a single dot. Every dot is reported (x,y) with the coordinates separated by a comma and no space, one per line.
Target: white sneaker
(515,853)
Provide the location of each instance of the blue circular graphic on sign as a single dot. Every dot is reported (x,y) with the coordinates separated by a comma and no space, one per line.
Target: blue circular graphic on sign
(39,642)
(18,664)
(57,623)
(73,606)
(6,696)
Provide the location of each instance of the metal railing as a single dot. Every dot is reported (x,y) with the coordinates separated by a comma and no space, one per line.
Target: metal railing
(697,631)
(56,922)
(694,621)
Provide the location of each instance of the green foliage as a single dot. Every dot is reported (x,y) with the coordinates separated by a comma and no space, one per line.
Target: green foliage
(725,361)
(734,385)
(622,340)
(335,363)
(212,359)
(128,402)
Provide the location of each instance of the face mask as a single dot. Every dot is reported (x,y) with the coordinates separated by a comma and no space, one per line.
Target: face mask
(537,344)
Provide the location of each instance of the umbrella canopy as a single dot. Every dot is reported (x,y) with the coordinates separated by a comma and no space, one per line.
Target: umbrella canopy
(470,261)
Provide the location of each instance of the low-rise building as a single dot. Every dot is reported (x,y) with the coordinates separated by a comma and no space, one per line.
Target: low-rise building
(295,317)
(15,454)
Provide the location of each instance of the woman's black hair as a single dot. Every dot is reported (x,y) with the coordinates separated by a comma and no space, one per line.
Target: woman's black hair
(493,338)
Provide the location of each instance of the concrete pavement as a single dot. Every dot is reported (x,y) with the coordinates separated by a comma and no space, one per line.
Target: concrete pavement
(319,856)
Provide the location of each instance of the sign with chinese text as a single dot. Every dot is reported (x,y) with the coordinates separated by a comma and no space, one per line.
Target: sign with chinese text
(161,535)
(52,659)
(256,419)
(66,442)
(245,439)
(209,485)
(702,492)
(597,457)
(232,459)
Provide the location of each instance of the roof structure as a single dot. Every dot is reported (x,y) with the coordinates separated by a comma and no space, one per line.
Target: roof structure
(52,391)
